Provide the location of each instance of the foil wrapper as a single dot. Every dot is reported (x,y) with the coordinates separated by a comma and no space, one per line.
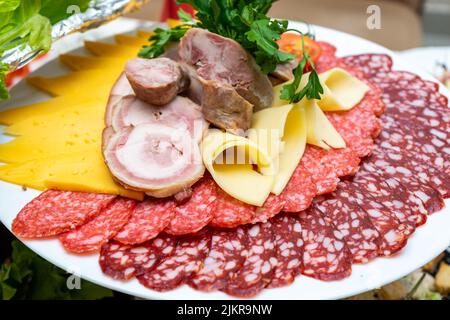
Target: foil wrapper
(98,13)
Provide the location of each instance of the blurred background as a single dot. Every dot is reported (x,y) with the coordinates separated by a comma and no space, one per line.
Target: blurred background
(405,24)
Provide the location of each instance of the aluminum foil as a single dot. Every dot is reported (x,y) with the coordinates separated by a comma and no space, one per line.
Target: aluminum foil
(98,13)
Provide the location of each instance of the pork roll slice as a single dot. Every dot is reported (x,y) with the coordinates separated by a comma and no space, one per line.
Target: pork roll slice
(180,113)
(156,81)
(120,88)
(157,159)
(224,60)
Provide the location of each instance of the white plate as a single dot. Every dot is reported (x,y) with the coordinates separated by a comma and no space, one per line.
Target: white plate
(424,245)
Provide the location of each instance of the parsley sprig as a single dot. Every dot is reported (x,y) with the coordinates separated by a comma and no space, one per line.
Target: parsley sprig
(312,90)
(246,22)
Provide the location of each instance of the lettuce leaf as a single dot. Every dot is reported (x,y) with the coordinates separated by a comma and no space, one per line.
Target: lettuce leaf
(28,276)
(29,22)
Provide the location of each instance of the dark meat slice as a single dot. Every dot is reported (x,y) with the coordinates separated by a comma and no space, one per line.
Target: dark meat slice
(370,64)
(230,212)
(287,231)
(259,263)
(177,268)
(371,186)
(325,256)
(392,235)
(224,258)
(148,219)
(123,262)
(353,224)
(90,237)
(430,199)
(156,81)
(225,61)
(225,108)
(405,164)
(284,72)
(54,212)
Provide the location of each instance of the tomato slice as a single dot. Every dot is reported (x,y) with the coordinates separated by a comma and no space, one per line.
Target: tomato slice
(292,43)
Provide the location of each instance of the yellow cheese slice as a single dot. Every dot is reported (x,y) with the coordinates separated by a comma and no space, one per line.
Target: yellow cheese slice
(127,40)
(96,82)
(342,91)
(233,171)
(320,132)
(81,63)
(110,50)
(282,132)
(82,171)
(144,34)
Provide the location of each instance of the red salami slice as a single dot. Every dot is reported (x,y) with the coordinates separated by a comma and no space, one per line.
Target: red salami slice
(322,175)
(370,64)
(272,206)
(175,269)
(123,262)
(371,185)
(360,235)
(149,218)
(224,258)
(259,263)
(345,162)
(196,213)
(288,249)
(325,257)
(91,236)
(300,190)
(367,124)
(54,212)
(230,212)
(405,166)
(392,236)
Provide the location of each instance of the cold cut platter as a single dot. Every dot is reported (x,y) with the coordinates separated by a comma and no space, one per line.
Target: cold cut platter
(193,174)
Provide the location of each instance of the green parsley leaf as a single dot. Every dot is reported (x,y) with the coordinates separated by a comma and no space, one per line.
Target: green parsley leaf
(4,94)
(161,38)
(184,16)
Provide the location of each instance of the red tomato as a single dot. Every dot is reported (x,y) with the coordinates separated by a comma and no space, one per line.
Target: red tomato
(292,43)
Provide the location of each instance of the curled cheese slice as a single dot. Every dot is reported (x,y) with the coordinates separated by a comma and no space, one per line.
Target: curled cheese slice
(154,158)
(230,159)
(320,132)
(342,91)
(282,132)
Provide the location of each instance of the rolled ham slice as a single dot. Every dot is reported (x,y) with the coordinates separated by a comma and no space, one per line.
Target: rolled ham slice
(155,158)
(180,113)
(121,88)
(156,81)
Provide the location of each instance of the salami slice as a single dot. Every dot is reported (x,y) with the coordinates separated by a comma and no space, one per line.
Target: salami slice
(271,207)
(430,197)
(149,218)
(371,185)
(323,176)
(259,263)
(224,259)
(325,256)
(370,64)
(353,224)
(91,236)
(176,269)
(123,262)
(300,190)
(230,212)
(54,212)
(392,237)
(196,213)
(288,249)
